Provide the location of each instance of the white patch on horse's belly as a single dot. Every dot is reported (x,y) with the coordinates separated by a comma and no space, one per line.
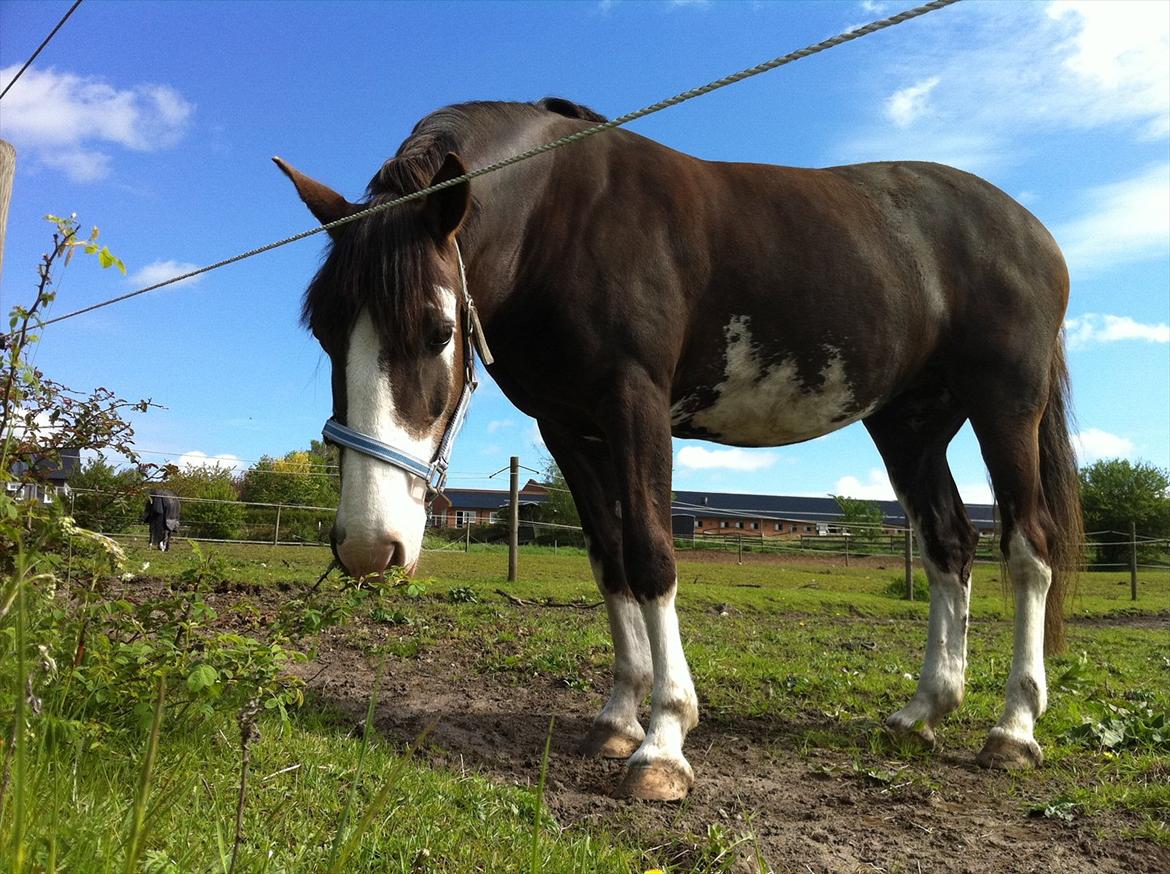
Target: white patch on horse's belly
(758,405)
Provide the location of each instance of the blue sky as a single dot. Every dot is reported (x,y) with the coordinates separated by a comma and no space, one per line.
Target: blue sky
(156,121)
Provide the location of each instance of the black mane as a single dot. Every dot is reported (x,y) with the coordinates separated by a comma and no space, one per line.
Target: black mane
(387,262)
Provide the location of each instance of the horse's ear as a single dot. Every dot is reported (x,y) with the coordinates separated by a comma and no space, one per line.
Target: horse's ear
(323,202)
(445,210)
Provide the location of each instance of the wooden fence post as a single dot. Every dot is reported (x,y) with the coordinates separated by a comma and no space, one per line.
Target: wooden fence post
(739,549)
(1133,561)
(513,518)
(276,527)
(909,547)
(467,537)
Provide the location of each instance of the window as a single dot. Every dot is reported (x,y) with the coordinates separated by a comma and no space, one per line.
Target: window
(808,527)
(698,524)
(493,518)
(723,524)
(755,526)
(463,518)
(738,524)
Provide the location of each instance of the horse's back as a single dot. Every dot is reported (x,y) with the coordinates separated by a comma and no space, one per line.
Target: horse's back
(833,291)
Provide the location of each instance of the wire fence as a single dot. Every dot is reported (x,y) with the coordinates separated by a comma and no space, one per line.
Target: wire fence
(232,521)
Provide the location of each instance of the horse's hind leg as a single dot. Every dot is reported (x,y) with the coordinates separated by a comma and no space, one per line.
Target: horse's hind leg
(912,435)
(1010,444)
(615,732)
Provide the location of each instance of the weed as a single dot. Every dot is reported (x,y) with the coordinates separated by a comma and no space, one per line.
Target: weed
(1063,809)
(1134,726)
(462,595)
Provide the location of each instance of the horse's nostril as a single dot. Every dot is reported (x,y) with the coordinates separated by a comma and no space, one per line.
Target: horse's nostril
(397,554)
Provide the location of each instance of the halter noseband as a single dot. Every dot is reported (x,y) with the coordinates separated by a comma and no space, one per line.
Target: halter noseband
(434,472)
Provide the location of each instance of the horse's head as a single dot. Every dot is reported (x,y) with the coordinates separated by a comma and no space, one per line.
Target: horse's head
(386,307)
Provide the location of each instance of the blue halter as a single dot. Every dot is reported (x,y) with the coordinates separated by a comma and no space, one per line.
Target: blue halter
(434,472)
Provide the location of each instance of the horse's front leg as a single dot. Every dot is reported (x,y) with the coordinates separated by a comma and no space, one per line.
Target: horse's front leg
(639,432)
(588,470)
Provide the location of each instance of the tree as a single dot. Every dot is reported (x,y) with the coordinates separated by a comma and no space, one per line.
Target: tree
(560,508)
(105,498)
(218,514)
(862,518)
(1116,493)
(307,477)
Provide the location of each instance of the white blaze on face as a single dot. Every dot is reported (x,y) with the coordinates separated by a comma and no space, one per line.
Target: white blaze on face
(382,508)
(757,405)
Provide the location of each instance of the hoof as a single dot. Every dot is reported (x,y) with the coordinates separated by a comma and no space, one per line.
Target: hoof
(917,734)
(604,742)
(668,781)
(1004,752)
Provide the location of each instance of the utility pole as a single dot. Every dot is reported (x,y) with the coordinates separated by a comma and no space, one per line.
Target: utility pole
(513,517)
(7,171)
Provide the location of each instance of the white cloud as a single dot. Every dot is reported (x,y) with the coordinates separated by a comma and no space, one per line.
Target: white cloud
(195,458)
(158,271)
(1125,221)
(499,424)
(873,7)
(1003,72)
(698,458)
(1121,52)
(535,438)
(1094,444)
(909,103)
(1097,328)
(63,119)
(875,488)
(976,493)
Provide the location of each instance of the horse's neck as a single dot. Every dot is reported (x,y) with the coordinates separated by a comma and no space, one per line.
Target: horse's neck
(491,238)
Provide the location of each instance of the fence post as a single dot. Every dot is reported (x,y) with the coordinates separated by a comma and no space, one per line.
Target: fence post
(276,527)
(847,539)
(1133,561)
(739,549)
(513,517)
(467,538)
(909,547)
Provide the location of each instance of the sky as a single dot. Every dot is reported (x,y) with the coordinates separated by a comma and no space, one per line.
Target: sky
(157,122)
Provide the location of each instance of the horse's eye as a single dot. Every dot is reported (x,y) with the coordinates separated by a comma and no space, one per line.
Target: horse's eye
(441,337)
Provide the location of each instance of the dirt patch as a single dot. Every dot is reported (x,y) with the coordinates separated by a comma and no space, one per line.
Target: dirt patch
(809,811)
(815,811)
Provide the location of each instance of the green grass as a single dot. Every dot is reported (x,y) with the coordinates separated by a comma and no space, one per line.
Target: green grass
(303,775)
(808,658)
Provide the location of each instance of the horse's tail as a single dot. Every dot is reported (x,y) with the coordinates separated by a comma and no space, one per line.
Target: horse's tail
(1060,481)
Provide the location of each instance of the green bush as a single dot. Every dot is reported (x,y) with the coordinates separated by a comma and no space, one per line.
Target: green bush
(216,512)
(105,498)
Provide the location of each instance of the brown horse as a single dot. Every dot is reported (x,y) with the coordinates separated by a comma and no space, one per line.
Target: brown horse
(631,292)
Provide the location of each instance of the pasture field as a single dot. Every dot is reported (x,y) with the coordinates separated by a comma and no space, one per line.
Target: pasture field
(795,662)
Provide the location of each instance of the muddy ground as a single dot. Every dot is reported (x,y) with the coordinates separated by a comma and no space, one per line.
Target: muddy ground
(809,811)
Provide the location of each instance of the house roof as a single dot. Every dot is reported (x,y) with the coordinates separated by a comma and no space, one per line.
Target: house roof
(489,499)
(53,469)
(724,505)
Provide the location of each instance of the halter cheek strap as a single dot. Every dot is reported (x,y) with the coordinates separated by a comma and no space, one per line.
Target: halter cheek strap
(434,472)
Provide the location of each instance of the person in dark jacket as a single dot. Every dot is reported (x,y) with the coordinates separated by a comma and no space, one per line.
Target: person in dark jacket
(162,514)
